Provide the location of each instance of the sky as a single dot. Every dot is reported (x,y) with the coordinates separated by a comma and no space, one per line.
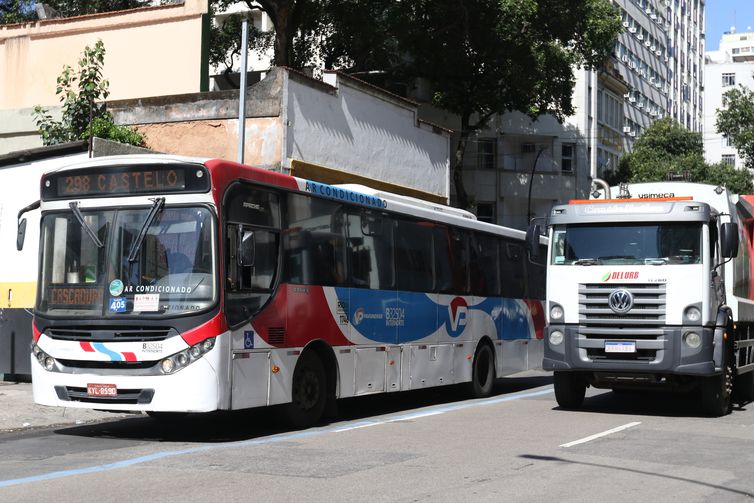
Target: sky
(722,14)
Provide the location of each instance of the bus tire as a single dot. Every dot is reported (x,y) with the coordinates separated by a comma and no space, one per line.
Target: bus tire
(717,390)
(483,372)
(570,388)
(308,392)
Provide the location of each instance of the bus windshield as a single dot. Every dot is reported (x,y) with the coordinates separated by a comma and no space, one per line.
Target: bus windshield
(153,261)
(629,244)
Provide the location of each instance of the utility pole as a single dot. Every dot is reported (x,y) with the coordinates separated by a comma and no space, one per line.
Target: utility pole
(242,90)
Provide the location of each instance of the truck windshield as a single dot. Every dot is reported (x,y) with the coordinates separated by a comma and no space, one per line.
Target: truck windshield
(636,243)
(171,270)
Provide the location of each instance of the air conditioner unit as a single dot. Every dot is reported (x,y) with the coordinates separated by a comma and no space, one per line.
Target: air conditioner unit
(624,58)
(667,58)
(647,43)
(640,36)
(658,52)
(651,80)
(627,95)
(653,16)
(648,10)
(653,48)
(632,99)
(625,24)
(632,29)
(640,105)
(632,134)
(626,129)
(632,65)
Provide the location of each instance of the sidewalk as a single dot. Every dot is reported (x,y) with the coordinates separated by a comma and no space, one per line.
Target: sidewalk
(19,412)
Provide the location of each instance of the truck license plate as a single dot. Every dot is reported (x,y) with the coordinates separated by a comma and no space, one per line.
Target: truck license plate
(101,390)
(620,347)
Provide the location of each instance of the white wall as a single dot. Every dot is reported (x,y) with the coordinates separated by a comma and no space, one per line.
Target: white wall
(362,130)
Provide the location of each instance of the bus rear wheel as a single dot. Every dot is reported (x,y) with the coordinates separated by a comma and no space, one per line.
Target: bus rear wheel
(308,393)
(483,372)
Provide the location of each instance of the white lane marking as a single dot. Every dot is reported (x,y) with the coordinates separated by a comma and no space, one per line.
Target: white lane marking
(603,434)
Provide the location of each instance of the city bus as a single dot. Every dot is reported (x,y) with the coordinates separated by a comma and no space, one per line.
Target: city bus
(173,285)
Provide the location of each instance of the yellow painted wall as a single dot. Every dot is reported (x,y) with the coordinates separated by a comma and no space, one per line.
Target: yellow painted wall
(152,51)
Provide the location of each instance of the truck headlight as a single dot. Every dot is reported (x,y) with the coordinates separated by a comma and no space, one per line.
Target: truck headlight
(692,313)
(556,337)
(556,312)
(692,339)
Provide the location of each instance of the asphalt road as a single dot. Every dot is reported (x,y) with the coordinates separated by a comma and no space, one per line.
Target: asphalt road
(428,446)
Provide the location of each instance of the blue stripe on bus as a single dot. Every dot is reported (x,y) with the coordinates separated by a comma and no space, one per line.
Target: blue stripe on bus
(391,317)
(114,357)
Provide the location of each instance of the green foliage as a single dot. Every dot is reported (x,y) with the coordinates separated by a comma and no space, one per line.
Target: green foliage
(736,121)
(16,11)
(667,150)
(79,92)
(225,39)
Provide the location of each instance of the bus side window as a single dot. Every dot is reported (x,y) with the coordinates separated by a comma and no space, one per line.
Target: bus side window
(413,256)
(485,270)
(253,215)
(370,250)
(512,269)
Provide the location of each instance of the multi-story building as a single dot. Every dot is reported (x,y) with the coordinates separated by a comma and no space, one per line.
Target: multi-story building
(726,68)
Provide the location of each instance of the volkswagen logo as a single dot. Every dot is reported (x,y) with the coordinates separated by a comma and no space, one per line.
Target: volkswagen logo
(620,301)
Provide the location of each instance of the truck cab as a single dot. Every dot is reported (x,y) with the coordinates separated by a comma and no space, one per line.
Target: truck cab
(637,295)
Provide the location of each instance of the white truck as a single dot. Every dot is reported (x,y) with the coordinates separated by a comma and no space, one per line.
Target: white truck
(652,290)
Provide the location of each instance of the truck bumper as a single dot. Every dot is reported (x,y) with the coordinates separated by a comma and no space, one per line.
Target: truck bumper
(658,354)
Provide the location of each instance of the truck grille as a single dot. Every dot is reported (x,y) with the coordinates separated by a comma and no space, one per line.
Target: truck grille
(648,308)
(643,323)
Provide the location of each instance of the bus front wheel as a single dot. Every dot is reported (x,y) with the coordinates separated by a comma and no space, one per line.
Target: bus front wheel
(308,393)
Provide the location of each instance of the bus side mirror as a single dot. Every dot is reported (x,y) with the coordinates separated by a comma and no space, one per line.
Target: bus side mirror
(729,240)
(532,241)
(21,234)
(246,250)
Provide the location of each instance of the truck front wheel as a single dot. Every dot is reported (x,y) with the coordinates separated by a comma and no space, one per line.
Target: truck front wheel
(570,389)
(717,390)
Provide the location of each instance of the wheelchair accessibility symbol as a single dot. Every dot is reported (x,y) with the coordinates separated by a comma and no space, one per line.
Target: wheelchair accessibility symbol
(248,339)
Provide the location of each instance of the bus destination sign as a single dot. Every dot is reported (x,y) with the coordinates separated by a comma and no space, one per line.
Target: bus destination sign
(106,181)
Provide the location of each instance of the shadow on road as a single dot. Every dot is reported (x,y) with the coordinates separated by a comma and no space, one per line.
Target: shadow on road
(646,403)
(230,426)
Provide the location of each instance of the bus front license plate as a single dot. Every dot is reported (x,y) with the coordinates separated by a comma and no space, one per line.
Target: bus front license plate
(101,390)
(620,347)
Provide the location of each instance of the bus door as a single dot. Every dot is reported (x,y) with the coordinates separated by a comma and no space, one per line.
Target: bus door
(252,249)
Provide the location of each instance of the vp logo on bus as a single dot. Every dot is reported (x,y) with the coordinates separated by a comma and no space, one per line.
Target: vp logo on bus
(458,311)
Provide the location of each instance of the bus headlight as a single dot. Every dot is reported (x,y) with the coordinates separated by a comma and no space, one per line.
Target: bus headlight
(556,337)
(556,312)
(692,339)
(176,362)
(46,361)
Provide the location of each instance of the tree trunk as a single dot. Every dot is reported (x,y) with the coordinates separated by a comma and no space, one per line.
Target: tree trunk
(281,14)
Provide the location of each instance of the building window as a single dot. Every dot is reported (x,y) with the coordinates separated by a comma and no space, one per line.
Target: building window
(567,153)
(486,153)
(485,212)
(726,141)
(729,79)
(730,160)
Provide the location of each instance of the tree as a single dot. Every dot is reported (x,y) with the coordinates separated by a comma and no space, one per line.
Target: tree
(225,38)
(736,121)
(82,116)
(667,150)
(16,11)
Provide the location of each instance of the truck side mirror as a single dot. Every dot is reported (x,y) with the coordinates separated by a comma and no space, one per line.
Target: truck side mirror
(532,241)
(729,240)
(21,234)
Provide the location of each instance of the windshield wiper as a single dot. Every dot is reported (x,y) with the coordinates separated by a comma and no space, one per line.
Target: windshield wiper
(157,205)
(74,205)
(586,261)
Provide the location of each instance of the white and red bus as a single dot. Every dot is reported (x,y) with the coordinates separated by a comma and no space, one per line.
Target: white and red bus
(171,284)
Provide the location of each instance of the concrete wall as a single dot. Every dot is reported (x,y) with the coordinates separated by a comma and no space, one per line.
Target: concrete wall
(348,128)
(357,128)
